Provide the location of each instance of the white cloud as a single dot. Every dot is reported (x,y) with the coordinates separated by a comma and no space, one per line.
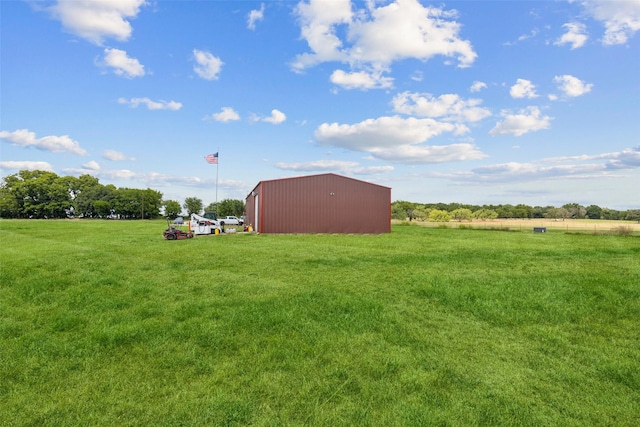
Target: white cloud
(514,171)
(151,105)
(629,158)
(621,19)
(430,153)
(56,144)
(121,64)
(155,179)
(255,16)
(226,115)
(534,32)
(572,167)
(417,76)
(318,25)
(115,156)
(407,29)
(397,139)
(92,165)
(28,165)
(572,86)
(335,166)
(449,107)
(375,37)
(477,86)
(575,35)
(207,65)
(276,117)
(360,80)
(523,89)
(380,133)
(98,19)
(94,169)
(527,120)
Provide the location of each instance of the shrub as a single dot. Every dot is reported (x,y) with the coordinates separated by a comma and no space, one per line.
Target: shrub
(437,215)
(623,230)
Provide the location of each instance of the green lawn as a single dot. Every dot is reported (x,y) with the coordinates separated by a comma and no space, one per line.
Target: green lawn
(106,323)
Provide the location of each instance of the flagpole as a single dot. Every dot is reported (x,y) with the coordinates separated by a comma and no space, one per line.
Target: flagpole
(217,167)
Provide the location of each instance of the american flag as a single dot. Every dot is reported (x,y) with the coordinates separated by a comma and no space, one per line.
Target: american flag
(212,159)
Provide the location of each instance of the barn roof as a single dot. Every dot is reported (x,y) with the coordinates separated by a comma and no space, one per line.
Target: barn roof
(317,175)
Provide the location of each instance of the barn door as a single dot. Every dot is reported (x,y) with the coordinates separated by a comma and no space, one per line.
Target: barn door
(256,210)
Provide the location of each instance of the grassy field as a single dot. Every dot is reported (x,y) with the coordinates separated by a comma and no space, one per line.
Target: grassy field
(585,226)
(105,323)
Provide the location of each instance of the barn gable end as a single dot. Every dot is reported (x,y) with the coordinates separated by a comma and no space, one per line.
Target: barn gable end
(326,203)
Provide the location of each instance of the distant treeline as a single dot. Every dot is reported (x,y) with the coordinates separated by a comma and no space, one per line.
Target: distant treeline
(404,210)
(43,194)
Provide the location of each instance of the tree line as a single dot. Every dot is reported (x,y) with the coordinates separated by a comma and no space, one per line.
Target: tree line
(443,212)
(44,194)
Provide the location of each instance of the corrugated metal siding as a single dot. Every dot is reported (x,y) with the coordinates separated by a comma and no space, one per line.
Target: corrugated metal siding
(326,203)
(250,211)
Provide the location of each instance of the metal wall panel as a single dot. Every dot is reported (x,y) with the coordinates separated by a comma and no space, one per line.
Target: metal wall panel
(251,212)
(325,203)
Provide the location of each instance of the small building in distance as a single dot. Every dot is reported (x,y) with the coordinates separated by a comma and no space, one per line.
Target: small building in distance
(326,203)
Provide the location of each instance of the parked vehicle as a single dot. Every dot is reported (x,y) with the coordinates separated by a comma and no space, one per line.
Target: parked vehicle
(210,215)
(231,220)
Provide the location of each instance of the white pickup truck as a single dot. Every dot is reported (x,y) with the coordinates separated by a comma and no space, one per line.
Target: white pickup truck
(230,220)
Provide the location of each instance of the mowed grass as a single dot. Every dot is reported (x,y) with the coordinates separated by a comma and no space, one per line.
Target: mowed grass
(105,323)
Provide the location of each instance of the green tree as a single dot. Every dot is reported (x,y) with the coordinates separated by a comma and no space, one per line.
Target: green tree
(172,208)
(485,214)
(633,215)
(211,207)
(558,213)
(439,215)
(127,203)
(39,194)
(611,214)
(102,208)
(134,203)
(400,209)
(594,212)
(229,207)
(9,207)
(91,192)
(575,210)
(151,203)
(522,211)
(505,211)
(461,214)
(538,212)
(421,212)
(192,205)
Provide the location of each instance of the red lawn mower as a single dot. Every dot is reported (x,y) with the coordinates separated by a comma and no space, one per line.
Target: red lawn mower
(174,233)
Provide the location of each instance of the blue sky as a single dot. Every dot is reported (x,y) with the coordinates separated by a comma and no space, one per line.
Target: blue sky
(481,102)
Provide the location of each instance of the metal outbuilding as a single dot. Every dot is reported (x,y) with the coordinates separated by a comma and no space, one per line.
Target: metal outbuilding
(326,203)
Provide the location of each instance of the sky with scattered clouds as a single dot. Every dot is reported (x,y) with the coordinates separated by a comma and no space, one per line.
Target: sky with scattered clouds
(480,102)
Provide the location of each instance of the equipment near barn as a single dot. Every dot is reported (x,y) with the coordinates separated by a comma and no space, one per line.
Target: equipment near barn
(201,225)
(174,233)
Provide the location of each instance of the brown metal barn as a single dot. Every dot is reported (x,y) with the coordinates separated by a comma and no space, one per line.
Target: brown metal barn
(326,203)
